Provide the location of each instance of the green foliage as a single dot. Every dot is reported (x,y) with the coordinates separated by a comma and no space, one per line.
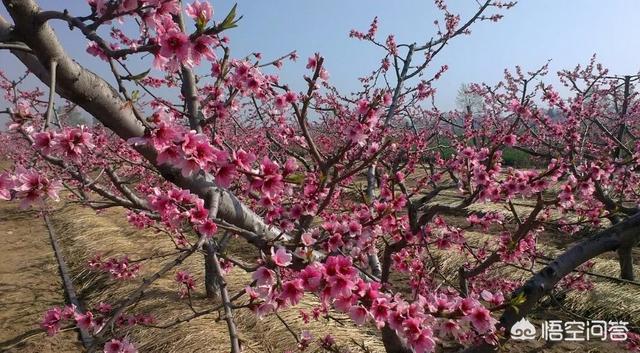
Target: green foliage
(515,158)
(137,77)
(230,21)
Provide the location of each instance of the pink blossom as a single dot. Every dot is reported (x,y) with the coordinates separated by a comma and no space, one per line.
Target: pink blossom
(423,342)
(243,159)
(6,184)
(171,155)
(119,346)
(128,5)
(186,281)
(34,187)
(311,277)
(85,321)
(510,140)
(162,14)
(164,135)
(201,12)
(308,239)
(305,339)
(358,314)
(189,166)
(467,304)
(324,74)
(44,141)
(292,291)
(176,44)
(481,319)
(495,299)
(265,308)
(51,321)
(263,276)
(94,49)
(290,97)
(272,179)
(450,327)
(356,134)
(118,268)
(392,46)
(380,310)
(363,106)
(387,99)
(208,228)
(74,142)
(226,174)
(281,257)
(199,213)
(355,227)
(202,47)
(312,62)
(280,101)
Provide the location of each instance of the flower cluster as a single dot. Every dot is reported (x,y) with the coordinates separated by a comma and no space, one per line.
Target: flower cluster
(175,48)
(29,186)
(187,283)
(70,143)
(338,285)
(118,268)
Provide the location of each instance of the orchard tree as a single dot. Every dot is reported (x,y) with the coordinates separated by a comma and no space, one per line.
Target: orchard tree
(468,100)
(339,192)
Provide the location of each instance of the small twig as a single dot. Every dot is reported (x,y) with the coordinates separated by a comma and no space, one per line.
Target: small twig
(137,294)
(18,340)
(295,336)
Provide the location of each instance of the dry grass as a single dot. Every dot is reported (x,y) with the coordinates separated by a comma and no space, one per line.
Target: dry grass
(606,301)
(84,234)
(29,285)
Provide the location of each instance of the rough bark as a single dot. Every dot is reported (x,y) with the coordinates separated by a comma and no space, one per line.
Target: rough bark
(211,283)
(625,257)
(373,259)
(102,101)
(228,307)
(541,283)
(392,343)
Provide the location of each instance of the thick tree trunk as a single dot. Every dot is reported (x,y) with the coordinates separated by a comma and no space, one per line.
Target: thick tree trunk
(374,260)
(626,262)
(623,233)
(102,101)
(211,283)
(371,181)
(392,343)
(374,265)
(228,306)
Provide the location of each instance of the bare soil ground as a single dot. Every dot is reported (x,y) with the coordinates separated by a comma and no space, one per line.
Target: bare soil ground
(29,284)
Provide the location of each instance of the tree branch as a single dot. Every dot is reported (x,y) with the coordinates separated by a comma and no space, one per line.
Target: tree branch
(52,91)
(542,282)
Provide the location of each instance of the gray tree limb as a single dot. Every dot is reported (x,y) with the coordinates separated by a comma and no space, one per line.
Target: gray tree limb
(101,100)
(625,232)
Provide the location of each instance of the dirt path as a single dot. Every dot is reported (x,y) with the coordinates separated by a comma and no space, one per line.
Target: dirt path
(29,284)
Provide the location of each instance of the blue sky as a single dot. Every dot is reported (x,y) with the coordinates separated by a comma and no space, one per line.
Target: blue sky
(568,32)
